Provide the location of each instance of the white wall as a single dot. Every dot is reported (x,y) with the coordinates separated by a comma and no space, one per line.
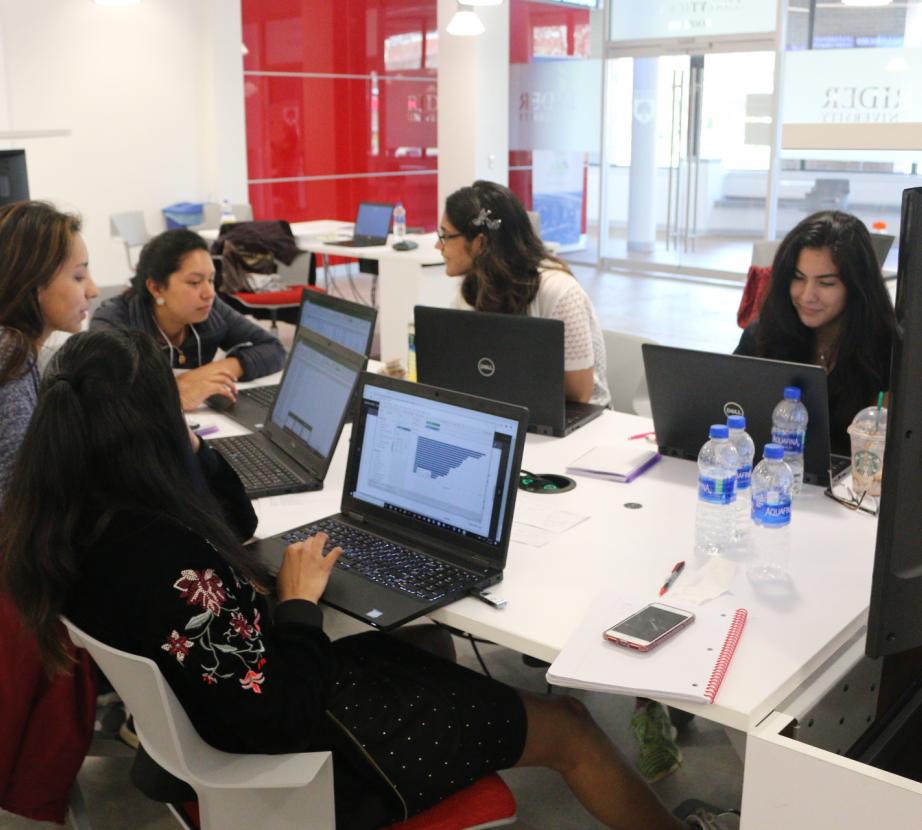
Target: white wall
(152,95)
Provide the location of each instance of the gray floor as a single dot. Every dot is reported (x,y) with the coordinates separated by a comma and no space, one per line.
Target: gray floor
(677,312)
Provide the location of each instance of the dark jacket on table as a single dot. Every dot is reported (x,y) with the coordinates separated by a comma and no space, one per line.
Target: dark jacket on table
(257,350)
(844,401)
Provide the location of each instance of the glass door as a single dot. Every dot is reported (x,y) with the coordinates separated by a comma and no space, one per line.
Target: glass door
(687,160)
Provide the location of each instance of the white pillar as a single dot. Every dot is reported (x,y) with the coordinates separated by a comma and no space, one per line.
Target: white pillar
(473,100)
(641,217)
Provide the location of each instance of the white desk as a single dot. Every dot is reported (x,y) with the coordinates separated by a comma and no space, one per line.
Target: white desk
(405,278)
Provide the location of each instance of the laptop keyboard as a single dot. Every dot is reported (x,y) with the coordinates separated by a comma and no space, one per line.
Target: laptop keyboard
(257,470)
(263,395)
(386,563)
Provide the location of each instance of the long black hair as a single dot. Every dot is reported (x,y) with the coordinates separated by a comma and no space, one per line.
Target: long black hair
(862,353)
(505,276)
(161,257)
(107,437)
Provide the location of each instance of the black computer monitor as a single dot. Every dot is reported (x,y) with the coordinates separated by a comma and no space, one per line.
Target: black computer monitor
(895,619)
(14,183)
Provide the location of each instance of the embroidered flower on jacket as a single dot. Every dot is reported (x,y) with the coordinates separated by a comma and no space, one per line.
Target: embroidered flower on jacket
(203,588)
(241,626)
(252,680)
(177,644)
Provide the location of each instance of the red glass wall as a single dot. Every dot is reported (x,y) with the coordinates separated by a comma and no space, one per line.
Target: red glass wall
(341,107)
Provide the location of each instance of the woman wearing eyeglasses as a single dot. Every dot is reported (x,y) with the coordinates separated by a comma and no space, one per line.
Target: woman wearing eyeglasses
(827,305)
(487,239)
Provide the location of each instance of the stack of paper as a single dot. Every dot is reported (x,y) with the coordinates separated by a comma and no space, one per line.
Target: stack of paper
(623,462)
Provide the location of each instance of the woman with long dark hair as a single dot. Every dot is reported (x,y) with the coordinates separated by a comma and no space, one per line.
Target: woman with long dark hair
(172,297)
(486,238)
(827,305)
(126,522)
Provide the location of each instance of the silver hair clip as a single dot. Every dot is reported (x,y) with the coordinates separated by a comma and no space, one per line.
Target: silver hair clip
(483,218)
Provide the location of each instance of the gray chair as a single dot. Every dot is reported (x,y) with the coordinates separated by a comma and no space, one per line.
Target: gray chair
(131,229)
(827,194)
(627,381)
(211,215)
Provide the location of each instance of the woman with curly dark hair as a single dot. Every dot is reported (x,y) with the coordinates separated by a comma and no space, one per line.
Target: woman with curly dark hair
(486,238)
(827,305)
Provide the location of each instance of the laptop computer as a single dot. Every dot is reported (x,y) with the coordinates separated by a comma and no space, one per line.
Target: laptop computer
(507,357)
(690,390)
(372,222)
(427,503)
(349,324)
(292,452)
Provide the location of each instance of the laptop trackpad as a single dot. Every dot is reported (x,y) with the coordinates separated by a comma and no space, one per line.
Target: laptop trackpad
(360,598)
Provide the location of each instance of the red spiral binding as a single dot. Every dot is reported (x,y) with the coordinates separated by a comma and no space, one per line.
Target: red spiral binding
(726,654)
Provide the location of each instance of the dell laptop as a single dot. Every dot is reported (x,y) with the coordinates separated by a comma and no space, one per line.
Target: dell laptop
(690,390)
(507,357)
(372,223)
(427,503)
(292,452)
(349,324)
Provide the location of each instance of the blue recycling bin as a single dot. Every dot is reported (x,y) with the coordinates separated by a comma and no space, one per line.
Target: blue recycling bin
(183,214)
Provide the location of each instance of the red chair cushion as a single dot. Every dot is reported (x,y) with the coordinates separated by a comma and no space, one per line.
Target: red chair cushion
(757,282)
(482,803)
(278,299)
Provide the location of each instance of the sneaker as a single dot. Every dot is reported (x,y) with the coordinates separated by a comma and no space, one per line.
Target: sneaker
(655,735)
(705,819)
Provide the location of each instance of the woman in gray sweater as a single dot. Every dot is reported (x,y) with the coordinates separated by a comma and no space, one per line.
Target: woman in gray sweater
(172,297)
(45,286)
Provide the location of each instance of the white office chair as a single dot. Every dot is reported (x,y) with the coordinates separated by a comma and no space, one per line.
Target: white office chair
(763,252)
(235,792)
(625,374)
(130,228)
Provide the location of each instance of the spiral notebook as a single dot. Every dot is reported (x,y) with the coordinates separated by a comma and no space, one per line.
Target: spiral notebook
(689,666)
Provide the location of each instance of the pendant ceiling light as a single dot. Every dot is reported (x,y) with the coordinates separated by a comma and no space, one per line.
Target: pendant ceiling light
(465,24)
(480,2)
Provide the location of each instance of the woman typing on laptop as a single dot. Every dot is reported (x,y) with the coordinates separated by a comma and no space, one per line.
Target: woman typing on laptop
(486,238)
(172,297)
(144,552)
(827,305)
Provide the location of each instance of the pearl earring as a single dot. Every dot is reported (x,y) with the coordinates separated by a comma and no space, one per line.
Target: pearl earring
(160,301)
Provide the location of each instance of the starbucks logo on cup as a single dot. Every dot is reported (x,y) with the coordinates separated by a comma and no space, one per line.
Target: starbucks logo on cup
(867,464)
(486,367)
(733,408)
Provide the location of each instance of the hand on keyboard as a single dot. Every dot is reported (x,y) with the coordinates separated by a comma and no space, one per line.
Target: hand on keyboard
(305,570)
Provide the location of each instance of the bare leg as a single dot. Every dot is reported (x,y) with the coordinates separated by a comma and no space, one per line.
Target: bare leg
(563,736)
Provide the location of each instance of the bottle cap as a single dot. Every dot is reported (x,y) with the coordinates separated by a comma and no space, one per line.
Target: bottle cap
(792,393)
(719,431)
(736,421)
(774,451)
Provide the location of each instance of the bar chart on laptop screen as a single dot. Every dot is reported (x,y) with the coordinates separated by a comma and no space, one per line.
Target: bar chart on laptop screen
(441,467)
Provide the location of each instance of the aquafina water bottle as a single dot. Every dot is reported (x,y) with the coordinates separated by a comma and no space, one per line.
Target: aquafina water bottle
(772,482)
(717,470)
(789,428)
(400,221)
(746,451)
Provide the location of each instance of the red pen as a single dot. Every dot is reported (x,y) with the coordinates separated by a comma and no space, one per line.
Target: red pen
(673,576)
(640,435)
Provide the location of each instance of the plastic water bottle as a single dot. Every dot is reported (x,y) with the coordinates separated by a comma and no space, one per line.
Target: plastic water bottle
(746,451)
(772,483)
(789,428)
(400,221)
(227,213)
(717,471)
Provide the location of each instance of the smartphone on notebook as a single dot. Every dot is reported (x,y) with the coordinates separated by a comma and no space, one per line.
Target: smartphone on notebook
(649,626)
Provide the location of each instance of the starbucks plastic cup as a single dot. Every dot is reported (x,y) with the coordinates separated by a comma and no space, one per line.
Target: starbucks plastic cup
(868,432)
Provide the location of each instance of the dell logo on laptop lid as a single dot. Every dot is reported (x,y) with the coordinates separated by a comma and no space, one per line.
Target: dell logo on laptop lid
(733,408)
(486,367)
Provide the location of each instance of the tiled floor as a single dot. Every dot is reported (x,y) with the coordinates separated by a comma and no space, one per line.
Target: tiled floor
(676,312)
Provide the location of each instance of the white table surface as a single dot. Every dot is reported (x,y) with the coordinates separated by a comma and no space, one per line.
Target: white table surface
(787,637)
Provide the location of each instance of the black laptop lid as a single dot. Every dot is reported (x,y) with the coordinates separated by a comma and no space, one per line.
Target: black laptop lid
(690,390)
(350,324)
(436,466)
(373,221)
(507,357)
(310,408)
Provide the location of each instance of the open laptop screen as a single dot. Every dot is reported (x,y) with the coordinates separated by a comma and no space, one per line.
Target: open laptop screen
(373,219)
(338,325)
(313,395)
(436,464)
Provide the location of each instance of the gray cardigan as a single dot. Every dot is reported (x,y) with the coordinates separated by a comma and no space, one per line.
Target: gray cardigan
(18,399)
(257,350)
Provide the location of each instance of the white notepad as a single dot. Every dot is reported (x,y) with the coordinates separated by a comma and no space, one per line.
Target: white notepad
(618,462)
(689,666)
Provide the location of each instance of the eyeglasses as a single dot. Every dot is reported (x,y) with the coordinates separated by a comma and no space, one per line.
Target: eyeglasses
(444,237)
(844,495)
